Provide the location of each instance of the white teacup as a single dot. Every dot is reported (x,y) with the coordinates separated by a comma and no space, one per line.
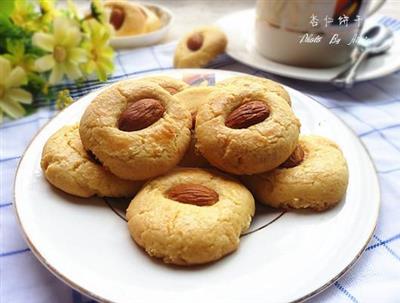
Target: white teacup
(310,33)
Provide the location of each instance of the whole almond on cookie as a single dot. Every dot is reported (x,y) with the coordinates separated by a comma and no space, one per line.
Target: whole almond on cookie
(117,17)
(195,194)
(195,41)
(247,114)
(140,115)
(295,158)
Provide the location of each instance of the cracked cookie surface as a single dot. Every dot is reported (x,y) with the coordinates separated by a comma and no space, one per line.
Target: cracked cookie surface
(318,182)
(67,166)
(187,234)
(139,154)
(172,85)
(250,81)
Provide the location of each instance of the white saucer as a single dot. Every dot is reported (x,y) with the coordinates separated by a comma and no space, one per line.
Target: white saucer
(239,29)
(283,258)
(147,39)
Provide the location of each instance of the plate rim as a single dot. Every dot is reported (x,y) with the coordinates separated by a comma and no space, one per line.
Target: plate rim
(94,296)
(302,70)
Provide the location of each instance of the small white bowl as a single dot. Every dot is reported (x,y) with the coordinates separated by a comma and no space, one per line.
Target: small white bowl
(147,39)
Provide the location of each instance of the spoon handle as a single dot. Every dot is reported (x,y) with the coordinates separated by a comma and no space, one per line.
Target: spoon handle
(346,77)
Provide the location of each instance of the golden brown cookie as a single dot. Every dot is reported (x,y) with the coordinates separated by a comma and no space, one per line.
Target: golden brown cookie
(172,85)
(251,81)
(153,22)
(199,47)
(314,177)
(136,129)
(190,216)
(126,17)
(246,131)
(192,98)
(193,157)
(67,166)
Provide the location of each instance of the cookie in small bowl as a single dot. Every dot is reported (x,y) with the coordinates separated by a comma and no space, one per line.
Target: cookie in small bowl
(137,25)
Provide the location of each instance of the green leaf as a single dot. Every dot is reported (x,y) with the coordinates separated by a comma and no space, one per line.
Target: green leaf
(30,109)
(7,30)
(36,82)
(16,47)
(6,7)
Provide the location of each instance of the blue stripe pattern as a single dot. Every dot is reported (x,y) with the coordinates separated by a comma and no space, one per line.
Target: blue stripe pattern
(5,205)
(346,292)
(14,252)
(384,243)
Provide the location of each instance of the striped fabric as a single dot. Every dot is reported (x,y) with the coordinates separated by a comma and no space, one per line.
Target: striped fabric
(371,109)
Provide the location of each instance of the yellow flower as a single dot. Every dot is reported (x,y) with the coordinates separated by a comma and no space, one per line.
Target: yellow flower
(48,10)
(65,55)
(98,12)
(11,95)
(100,53)
(25,16)
(64,99)
(72,10)
(23,12)
(18,57)
(47,6)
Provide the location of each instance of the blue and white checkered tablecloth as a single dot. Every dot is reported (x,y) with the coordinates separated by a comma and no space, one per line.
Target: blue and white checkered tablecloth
(371,109)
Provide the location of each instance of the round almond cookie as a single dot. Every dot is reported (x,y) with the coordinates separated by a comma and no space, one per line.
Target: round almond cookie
(192,98)
(136,129)
(126,17)
(315,176)
(244,131)
(250,81)
(153,22)
(199,47)
(172,85)
(190,216)
(67,166)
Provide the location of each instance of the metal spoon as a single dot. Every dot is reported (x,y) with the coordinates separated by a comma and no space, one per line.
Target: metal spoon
(374,41)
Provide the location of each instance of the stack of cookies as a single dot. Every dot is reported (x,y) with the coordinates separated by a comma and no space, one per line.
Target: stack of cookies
(192,159)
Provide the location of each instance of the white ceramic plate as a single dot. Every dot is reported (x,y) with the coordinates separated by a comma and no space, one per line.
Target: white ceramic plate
(287,257)
(151,38)
(239,27)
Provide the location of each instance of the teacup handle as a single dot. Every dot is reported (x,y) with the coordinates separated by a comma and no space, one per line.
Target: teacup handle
(375,7)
